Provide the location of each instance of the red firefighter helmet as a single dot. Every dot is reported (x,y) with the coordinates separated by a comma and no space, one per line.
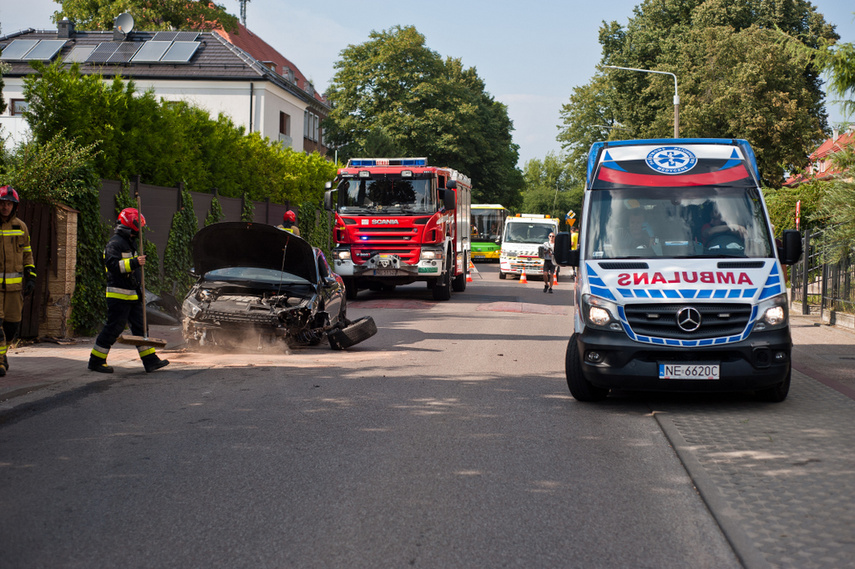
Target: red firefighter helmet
(9,194)
(290,216)
(131,218)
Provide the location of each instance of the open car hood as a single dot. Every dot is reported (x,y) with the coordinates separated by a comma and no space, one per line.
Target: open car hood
(241,244)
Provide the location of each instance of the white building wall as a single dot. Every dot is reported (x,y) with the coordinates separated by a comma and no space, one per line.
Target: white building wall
(231,98)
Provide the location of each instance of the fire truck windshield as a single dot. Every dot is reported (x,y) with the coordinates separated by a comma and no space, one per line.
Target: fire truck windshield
(389,194)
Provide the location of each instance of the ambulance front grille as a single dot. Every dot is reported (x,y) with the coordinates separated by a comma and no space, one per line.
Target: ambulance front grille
(660,320)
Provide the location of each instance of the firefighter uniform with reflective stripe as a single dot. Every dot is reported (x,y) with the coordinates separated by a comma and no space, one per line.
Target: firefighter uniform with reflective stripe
(17,268)
(124,305)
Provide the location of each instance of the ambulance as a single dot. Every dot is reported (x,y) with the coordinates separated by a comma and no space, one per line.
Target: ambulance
(680,282)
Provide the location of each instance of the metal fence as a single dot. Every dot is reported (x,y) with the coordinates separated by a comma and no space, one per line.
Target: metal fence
(822,286)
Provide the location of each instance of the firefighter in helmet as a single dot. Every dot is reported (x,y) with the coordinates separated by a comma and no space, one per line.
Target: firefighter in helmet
(289,223)
(124,305)
(17,270)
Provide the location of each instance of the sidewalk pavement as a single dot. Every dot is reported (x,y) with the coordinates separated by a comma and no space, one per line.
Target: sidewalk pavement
(35,366)
(825,353)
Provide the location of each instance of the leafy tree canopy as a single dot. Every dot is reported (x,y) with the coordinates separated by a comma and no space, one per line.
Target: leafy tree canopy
(736,79)
(148,15)
(392,96)
(550,188)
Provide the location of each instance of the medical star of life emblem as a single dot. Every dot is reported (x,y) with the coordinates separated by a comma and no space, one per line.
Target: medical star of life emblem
(671,160)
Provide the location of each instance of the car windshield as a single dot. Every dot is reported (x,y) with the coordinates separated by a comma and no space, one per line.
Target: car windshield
(255,275)
(532,232)
(392,194)
(677,223)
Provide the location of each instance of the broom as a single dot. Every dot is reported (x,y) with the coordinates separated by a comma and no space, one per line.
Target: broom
(141,340)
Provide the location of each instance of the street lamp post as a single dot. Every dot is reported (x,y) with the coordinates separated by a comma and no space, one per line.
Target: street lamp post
(676,96)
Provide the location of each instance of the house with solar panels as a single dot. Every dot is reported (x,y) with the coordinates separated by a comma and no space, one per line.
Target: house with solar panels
(237,74)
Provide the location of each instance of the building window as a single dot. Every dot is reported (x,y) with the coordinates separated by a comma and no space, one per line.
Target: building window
(311,126)
(17,107)
(284,124)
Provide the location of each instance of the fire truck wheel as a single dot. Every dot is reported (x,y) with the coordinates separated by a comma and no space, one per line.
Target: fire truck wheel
(442,289)
(357,331)
(580,388)
(459,282)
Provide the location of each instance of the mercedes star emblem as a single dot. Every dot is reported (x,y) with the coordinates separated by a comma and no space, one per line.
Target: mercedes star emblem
(688,319)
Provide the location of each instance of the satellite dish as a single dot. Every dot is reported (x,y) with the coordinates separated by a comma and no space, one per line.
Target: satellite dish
(124,23)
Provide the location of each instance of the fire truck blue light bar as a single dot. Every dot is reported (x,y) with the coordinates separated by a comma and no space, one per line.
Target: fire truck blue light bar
(364,162)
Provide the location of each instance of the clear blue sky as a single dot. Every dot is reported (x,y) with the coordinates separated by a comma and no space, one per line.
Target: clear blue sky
(530,54)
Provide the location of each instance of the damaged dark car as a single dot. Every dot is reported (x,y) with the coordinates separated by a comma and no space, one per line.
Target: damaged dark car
(261,285)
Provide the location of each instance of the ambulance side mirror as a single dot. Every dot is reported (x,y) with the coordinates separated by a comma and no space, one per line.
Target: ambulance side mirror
(564,255)
(790,250)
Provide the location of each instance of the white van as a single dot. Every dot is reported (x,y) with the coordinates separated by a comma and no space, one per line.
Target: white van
(523,234)
(680,283)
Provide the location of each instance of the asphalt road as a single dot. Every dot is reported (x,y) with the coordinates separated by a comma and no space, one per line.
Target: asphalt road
(449,439)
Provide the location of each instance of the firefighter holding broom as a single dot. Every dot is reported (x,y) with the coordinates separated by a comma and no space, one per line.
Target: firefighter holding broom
(124,296)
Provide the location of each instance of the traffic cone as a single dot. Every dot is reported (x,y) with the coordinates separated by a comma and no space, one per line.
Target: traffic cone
(468,276)
(523,280)
(555,279)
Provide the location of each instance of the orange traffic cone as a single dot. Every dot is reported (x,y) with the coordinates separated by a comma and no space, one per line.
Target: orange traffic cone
(523,280)
(555,279)
(468,276)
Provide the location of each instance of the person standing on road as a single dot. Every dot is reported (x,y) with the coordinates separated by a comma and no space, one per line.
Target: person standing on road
(123,294)
(548,249)
(17,273)
(289,223)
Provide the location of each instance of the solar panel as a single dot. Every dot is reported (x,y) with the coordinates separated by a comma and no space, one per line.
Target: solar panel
(17,49)
(186,36)
(45,50)
(151,51)
(164,36)
(103,52)
(79,54)
(125,52)
(180,52)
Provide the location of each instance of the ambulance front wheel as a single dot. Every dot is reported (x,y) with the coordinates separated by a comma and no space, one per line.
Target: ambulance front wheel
(777,393)
(580,388)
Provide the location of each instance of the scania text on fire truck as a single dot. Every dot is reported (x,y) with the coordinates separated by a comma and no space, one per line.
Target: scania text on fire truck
(398,221)
(680,284)
(523,234)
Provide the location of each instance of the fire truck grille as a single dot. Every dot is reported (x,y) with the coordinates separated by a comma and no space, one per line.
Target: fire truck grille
(660,320)
(407,255)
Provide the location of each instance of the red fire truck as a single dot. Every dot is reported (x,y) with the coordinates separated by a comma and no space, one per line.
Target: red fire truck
(397,221)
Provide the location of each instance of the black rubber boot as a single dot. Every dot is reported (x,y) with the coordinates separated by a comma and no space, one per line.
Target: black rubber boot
(152,362)
(99,365)
(4,364)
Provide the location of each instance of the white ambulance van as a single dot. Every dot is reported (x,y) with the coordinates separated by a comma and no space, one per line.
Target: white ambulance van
(523,234)
(680,284)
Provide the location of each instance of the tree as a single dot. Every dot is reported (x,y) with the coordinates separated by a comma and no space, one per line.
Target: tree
(393,96)
(737,79)
(551,188)
(148,15)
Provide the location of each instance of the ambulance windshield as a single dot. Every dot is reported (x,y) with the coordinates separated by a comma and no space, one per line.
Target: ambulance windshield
(700,221)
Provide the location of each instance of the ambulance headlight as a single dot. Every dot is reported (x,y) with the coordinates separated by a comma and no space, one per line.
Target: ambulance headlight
(772,313)
(600,313)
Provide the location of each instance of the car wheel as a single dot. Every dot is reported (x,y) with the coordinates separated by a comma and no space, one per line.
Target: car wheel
(358,330)
(580,388)
(777,393)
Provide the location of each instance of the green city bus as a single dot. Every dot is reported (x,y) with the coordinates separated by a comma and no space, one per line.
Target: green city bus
(488,220)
